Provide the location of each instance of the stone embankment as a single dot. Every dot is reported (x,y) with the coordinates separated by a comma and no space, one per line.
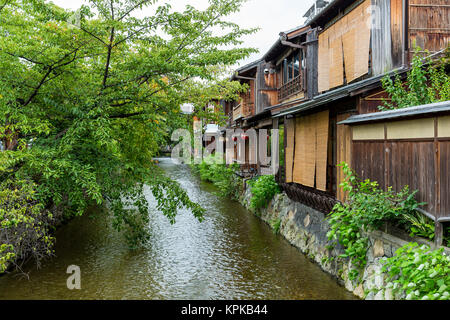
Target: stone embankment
(306,229)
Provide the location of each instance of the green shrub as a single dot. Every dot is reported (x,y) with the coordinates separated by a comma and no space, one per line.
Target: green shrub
(24,224)
(221,175)
(418,224)
(264,188)
(422,273)
(276,224)
(367,208)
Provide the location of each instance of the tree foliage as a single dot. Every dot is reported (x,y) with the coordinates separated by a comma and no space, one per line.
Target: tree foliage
(85,103)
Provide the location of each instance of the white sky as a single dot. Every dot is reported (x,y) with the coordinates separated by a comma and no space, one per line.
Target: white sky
(272,16)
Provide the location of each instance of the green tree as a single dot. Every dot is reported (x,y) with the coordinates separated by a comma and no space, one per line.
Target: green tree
(84,107)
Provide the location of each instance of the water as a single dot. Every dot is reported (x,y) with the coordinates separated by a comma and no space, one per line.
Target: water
(231,255)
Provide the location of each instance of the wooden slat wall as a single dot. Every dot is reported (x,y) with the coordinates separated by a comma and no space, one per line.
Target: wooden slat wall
(412,163)
(444,173)
(311,63)
(422,164)
(368,160)
(267,95)
(429,24)
(344,142)
(396,32)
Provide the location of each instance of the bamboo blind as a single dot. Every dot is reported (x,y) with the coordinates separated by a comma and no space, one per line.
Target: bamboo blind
(304,153)
(336,57)
(359,19)
(311,150)
(322,127)
(324,63)
(347,42)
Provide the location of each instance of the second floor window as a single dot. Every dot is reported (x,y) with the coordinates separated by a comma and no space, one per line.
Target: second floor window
(292,66)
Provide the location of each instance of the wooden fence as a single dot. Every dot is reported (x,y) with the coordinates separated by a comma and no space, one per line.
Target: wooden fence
(408,152)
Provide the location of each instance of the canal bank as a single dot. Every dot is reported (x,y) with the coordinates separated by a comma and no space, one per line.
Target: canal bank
(306,229)
(232,254)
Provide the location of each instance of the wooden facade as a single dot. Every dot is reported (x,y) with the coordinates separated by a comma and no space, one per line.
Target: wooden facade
(320,74)
(410,152)
(429,24)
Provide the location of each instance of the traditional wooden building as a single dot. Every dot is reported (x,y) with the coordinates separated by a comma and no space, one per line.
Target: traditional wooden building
(329,70)
(408,146)
(350,46)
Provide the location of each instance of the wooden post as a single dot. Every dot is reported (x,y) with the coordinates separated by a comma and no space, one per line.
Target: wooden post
(438,233)
(311,63)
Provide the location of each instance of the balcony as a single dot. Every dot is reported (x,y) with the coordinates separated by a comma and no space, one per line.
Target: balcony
(247,108)
(237,112)
(290,88)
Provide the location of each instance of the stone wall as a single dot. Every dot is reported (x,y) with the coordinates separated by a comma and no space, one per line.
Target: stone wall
(306,229)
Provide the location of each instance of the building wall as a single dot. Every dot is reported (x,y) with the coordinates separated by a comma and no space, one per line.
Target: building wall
(429,24)
(408,152)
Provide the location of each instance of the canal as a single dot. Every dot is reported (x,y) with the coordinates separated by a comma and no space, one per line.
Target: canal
(230,255)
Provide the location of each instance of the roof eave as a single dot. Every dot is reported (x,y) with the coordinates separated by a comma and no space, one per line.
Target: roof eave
(397,114)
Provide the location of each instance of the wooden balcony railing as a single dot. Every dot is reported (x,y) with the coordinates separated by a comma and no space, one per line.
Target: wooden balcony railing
(237,112)
(290,88)
(247,108)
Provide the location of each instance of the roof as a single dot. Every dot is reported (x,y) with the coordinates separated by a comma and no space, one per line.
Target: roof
(336,94)
(399,113)
(245,68)
(334,7)
(261,115)
(277,47)
(319,3)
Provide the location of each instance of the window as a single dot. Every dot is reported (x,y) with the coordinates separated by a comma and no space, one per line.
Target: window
(292,66)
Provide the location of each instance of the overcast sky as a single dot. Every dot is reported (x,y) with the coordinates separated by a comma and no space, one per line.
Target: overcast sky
(272,16)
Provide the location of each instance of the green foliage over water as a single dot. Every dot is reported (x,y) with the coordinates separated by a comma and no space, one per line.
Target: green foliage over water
(86,104)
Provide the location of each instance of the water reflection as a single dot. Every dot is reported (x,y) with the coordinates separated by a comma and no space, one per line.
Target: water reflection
(231,255)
